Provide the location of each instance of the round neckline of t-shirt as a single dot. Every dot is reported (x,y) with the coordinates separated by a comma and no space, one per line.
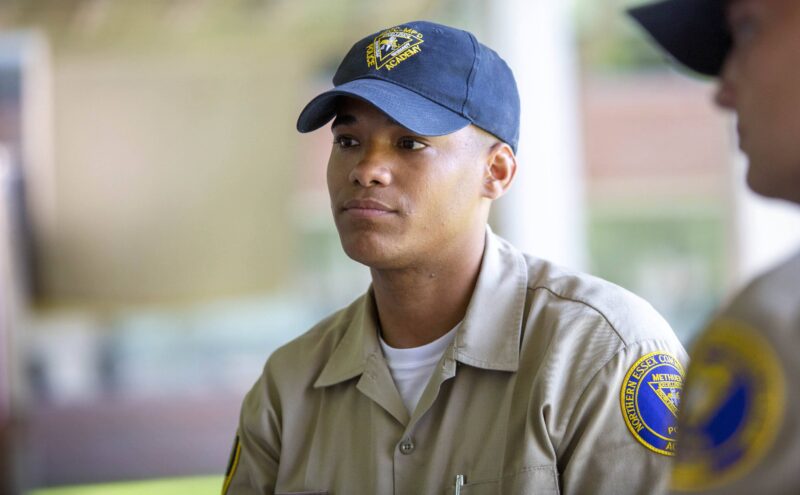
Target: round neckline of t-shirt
(412,357)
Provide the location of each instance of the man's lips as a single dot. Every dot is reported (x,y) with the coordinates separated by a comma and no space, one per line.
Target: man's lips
(367,208)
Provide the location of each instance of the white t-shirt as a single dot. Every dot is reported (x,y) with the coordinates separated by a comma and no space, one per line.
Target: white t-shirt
(412,368)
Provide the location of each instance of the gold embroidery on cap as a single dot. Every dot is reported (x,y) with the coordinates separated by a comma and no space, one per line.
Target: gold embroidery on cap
(393,46)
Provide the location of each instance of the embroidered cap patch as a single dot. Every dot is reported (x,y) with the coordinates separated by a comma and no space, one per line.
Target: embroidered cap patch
(734,406)
(393,46)
(650,397)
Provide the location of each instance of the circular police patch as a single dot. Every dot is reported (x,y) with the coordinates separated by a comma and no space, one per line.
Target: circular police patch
(650,397)
(733,409)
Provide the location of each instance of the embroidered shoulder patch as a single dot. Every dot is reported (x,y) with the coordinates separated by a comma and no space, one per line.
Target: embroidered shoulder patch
(233,463)
(733,409)
(650,397)
(393,46)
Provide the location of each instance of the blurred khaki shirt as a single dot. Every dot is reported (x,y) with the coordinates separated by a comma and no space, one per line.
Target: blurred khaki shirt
(740,423)
(537,394)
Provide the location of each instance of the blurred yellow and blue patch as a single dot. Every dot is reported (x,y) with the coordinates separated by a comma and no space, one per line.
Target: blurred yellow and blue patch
(734,408)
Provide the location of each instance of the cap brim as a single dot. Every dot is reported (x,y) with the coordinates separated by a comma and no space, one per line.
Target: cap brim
(409,109)
(694,32)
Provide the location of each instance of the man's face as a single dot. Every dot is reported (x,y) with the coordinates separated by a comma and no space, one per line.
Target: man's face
(400,200)
(761,82)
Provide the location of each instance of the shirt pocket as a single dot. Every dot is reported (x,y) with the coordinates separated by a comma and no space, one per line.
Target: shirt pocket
(541,480)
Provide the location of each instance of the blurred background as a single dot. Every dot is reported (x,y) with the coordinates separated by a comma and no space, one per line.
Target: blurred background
(163,227)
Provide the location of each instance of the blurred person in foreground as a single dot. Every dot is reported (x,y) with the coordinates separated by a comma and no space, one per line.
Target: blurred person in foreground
(467,366)
(740,419)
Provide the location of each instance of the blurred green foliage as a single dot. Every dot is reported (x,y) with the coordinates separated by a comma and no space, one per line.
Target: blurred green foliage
(669,256)
(609,40)
(201,485)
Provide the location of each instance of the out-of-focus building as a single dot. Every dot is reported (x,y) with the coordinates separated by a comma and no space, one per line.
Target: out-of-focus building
(659,206)
(163,227)
(174,226)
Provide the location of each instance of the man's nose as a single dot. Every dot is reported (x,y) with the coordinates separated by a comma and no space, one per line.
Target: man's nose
(372,169)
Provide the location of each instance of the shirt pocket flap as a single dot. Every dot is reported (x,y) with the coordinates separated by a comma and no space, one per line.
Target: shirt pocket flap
(541,480)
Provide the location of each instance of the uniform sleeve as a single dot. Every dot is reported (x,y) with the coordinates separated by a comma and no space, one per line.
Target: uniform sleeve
(253,465)
(620,436)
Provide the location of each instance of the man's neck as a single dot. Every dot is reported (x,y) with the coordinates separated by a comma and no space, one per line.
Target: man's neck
(418,305)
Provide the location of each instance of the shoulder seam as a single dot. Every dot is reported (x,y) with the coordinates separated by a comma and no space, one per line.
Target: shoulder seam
(580,301)
(599,369)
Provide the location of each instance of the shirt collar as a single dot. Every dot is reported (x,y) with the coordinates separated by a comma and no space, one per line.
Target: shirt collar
(359,344)
(488,338)
(490,335)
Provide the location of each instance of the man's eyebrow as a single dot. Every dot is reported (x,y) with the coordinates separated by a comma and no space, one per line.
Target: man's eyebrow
(343,119)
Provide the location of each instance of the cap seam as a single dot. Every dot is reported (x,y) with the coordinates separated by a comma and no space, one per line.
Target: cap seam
(471,75)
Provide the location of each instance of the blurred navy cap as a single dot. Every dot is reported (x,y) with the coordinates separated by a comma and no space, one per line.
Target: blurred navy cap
(429,78)
(694,32)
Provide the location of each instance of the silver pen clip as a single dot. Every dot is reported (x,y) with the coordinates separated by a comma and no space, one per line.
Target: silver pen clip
(459,483)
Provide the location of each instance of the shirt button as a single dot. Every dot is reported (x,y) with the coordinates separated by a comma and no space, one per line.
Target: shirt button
(407,446)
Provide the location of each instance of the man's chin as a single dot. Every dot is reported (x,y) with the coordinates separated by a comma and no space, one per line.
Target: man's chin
(369,249)
(763,184)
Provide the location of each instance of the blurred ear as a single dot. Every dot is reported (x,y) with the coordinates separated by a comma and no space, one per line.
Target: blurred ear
(501,167)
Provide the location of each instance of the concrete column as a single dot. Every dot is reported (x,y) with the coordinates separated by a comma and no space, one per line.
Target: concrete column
(543,214)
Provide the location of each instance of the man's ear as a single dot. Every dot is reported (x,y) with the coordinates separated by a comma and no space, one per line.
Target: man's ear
(501,167)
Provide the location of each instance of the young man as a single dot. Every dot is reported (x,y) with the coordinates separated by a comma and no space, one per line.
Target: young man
(740,421)
(467,367)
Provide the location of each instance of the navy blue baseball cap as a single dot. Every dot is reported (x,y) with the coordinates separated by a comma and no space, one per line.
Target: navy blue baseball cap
(429,78)
(694,32)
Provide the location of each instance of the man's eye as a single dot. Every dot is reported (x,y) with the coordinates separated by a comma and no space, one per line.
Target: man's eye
(410,144)
(746,21)
(743,30)
(345,142)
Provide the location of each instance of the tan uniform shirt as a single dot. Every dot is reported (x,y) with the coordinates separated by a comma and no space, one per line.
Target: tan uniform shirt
(740,423)
(538,393)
